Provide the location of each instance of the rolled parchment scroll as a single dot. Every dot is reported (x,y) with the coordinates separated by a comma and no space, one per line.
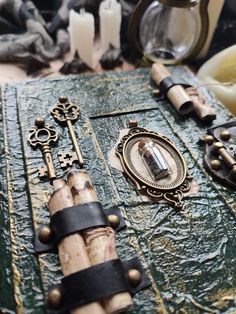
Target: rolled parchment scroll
(100,241)
(72,251)
(200,107)
(175,93)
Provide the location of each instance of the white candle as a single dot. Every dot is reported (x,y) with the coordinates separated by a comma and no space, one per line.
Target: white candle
(110,22)
(82,31)
(219,75)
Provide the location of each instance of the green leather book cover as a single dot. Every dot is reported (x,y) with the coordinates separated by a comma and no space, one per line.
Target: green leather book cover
(190,259)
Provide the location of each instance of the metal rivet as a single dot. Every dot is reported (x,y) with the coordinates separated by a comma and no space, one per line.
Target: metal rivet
(134,277)
(133,123)
(55,298)
(39,122)
(45,234)
(225,135)
(208,139)
(217,146)
(63,99)
(114,220)
(215,164)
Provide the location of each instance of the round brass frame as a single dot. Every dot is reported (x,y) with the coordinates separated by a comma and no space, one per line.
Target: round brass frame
(170,189)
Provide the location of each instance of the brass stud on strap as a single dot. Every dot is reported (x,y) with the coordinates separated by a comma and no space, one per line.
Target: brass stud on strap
(55,298)
(225,135)
(215,164)
(45,234)
(114,220)
(133,123)
(134,276)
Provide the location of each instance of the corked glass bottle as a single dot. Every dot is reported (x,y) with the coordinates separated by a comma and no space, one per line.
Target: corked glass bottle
(153,159)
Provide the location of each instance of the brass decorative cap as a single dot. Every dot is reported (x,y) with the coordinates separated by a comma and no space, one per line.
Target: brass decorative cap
(133,123)
(216,147)
(208,139)
(225,135)
(39,122)
(215,164)
(63,99)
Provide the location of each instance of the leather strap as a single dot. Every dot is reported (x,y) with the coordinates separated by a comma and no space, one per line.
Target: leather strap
(100,281)
(74,219)
(166,84)
(94,283)
(77,218)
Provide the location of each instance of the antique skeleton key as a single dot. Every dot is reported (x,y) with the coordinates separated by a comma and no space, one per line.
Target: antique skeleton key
(43,136)
(65,112)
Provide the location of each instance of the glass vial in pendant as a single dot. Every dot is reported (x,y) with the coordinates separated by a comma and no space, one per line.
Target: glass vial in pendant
(153,159)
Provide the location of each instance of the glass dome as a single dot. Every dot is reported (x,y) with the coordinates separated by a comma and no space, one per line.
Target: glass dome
(168,33)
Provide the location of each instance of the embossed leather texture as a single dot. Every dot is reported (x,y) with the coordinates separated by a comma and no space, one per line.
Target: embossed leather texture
(190,257)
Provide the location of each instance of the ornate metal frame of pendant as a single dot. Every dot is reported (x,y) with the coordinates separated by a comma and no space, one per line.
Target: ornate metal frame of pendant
(170,189)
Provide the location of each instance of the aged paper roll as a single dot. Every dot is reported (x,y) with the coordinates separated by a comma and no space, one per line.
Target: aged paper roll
(201,108)
(176,94)
(72,251)
(100,242)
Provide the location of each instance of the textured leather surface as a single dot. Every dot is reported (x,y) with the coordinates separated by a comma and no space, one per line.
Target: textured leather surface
(190,257)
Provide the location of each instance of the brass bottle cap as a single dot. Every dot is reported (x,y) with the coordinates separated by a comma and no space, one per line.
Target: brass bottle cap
(225,135)
(143,144)
(45,234)
(133,123)
(215,164)
(114,220)
(134,276)
(55,298)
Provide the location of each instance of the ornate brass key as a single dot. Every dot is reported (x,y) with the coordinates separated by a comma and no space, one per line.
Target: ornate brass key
(65,112)
(43,136)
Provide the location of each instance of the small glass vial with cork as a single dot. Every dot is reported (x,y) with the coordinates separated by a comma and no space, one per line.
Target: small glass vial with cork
(153,159)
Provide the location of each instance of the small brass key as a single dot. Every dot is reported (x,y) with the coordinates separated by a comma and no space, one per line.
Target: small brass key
(65,112)
(43,136)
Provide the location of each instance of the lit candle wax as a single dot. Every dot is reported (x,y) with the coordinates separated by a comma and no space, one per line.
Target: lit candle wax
(110,21)
(82,30)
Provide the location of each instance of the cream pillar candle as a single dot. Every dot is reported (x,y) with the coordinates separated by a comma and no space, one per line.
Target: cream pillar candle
(110,22)
(82,31)
(219,75)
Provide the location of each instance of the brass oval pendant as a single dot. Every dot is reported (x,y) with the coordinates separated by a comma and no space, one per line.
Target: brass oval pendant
(170,187)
